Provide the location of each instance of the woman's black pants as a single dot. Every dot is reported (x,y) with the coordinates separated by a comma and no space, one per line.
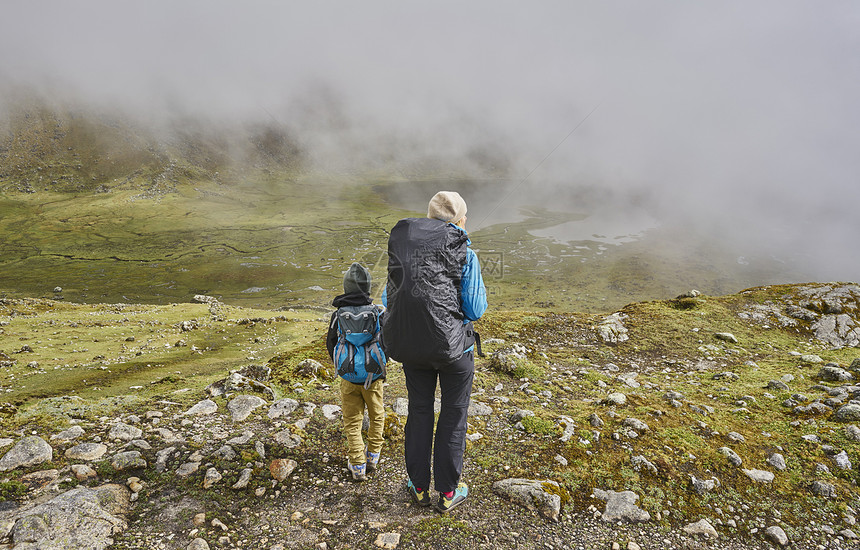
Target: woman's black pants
(455,382)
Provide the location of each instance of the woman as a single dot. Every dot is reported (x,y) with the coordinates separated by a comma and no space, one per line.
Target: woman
(433,294)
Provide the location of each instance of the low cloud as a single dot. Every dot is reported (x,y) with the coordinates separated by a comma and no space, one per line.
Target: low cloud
(737,117)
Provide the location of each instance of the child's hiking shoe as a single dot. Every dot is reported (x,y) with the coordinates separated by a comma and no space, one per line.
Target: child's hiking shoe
(453,498)
(357,471)
(372,461)
(420,496)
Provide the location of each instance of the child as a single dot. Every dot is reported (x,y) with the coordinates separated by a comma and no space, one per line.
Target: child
(354,346)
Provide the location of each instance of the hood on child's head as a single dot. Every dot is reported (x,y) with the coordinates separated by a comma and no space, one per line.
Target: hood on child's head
(356,279)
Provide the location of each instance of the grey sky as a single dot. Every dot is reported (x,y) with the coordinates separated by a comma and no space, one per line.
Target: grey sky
(744,111)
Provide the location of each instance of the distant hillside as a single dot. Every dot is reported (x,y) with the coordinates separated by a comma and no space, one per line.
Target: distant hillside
(71,148)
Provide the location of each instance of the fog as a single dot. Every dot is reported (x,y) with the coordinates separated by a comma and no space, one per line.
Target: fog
(739,118)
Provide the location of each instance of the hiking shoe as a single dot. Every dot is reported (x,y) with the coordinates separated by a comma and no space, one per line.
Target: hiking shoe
(372,461)
(458,496)
(357,471)
(420,496)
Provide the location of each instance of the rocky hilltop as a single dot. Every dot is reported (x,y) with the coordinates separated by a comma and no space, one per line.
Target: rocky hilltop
(698,422)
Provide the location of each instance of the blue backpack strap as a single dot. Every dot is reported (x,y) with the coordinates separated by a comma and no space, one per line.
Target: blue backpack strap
(344,350)
(340,349)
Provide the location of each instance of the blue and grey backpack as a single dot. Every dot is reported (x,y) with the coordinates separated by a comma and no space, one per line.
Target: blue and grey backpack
(358,354)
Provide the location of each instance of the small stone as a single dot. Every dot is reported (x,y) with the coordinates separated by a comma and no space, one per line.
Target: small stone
(29,451)
(282,407)
(702,527)
(617,398)
(313,368)
(621,506)
(212,477)
(187,469)
(387,541)
(832,373)
(759,476)
(67,435)
(476,408)
(736,437)
(568,428)
(242,439)
(848,413)
(702,486)
(199,519)
(726,337)
(777,461)
(538,495)
(86,451)
(82,472)
(331,412)
(841,461)
(401,406)
(225,452)
(198,544)
(129,460)
(169,436)
(207,406)
(848,534)
(124,432)
(823,489)
(640,463)
(244,479)
(242,406)
(287,439)
(635,424)
(281,468)
(775,534)
(777,385)
(731,455)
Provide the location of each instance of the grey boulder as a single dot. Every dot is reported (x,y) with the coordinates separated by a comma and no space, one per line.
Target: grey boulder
(80,518)
(541,496)
(29,451)
(621,506)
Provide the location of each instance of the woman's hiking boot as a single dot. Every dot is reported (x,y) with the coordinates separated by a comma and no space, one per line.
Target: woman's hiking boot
(357,471)
(420,496)
(453,498)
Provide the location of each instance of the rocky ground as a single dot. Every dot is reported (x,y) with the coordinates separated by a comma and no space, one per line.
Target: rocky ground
(700,422)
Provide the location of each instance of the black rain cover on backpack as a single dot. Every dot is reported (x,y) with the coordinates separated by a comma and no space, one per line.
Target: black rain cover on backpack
(423,322)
